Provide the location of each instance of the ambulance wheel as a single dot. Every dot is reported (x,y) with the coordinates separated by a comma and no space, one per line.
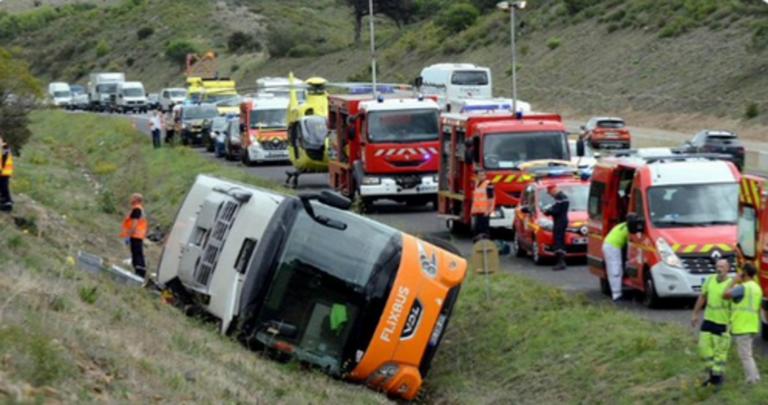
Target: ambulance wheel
(535,254)
(515,247)
(651,298)
(605,287)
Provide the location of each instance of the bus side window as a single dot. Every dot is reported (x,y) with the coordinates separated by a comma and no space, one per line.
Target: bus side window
(244,257)
(595,207)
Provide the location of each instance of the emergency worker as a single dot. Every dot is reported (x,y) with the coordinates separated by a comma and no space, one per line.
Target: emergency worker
(714,339)
(135,227)
(747,297)
(483,202)
(559,213)
(6,172)
(613,247)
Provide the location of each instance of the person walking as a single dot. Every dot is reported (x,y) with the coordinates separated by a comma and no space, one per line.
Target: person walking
(747,297)
(613,247)
(6,172)
(156,126)
(714,339)
(483,204)
(135,227)
(559,213)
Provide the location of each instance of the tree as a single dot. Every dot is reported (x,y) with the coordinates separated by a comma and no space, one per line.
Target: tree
(400,11)
(19,92)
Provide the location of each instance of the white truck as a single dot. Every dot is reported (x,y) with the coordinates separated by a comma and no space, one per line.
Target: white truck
(455,81)
(172,96)
(101,88)
(280,87)
(130,97)
(60,94)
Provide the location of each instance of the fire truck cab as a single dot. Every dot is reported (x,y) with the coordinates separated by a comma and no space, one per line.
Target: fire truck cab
(263,130)
(753,232)
(681,211)
(533,229)
(384,148)
(499,144)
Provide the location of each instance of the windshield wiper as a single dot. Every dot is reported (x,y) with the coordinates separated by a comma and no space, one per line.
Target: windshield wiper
(717,222)
(676,223)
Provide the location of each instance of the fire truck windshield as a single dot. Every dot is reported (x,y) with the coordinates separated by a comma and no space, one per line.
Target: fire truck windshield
(693,205)
(578,195)
(319,302)
(274,118)
(403,126)
(507,151)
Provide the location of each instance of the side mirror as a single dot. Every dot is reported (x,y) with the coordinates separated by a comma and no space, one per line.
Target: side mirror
(351,132)
(335,200)
(417,82)
(525,210)
(351,120)
(635,224)
(580,148)
(476,149)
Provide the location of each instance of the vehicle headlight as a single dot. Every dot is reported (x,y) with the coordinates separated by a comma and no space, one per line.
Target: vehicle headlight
(371,181)
(386,371)
(668,255)
(545,224)
(255,142)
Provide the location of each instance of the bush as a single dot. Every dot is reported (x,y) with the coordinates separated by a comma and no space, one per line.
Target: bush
(457,17)
(759,40)
(752,111)
(177,50)
(677,27)
(144,32)
(242,41)
(553,43)
(576,6)
(89,295)
(102,49)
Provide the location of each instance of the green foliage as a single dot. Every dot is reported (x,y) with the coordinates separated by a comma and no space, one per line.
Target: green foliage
(89,295)
(553,43)
(13,25)
(32,355)
(16,79)
(177,50)
(240,41)
(144,33)
(576,6)
(759,41)
(107,203)
(457,17)
(752,111)
(102,49)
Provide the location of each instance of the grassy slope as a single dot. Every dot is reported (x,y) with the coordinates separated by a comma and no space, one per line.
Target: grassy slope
(528,344)
(71,336)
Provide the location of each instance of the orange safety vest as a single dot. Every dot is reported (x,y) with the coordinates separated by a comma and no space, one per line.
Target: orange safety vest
(141,225)
(481,204)
(7,164)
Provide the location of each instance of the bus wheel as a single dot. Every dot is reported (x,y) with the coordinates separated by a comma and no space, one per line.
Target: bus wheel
(651,298)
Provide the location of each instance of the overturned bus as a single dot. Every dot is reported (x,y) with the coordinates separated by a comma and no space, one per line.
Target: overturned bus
(306,280)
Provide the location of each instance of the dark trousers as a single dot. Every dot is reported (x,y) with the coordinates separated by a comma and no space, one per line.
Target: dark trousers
(482,226)
(156,138)
(558,234)
(137,257)
(6,202)
(168,136)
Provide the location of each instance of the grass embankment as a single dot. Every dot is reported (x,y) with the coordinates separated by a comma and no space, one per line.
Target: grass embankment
(69,336)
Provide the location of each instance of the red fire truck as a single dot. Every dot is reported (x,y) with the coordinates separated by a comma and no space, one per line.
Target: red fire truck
(500,144)
(753,231)
(682,212)
(384,148)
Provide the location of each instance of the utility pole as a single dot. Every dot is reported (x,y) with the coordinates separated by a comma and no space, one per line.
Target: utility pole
(373,48)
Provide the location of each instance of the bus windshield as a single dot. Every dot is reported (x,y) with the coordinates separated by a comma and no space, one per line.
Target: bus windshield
(319,290)
(578,195)
(269,119)
(694,205)
(403,126)
(507,151)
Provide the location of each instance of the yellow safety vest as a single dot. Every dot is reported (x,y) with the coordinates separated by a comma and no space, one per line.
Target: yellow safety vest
(718,309)
(7,165)
(745,317)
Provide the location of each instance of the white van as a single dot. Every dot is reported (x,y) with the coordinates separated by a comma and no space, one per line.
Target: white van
(60,94)
(170,97)
(131,97)
(280,87)
(455,81)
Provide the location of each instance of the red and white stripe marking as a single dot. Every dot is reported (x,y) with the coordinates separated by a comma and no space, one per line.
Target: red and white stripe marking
(405,151)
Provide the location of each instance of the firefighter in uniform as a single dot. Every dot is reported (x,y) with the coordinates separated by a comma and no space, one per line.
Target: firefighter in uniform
(483,203)
(714,340)
(135,228)
(559,213)
(747,297)
(6,172)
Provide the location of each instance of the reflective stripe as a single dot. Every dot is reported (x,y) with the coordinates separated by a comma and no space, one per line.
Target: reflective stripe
(690,248)
(7,169)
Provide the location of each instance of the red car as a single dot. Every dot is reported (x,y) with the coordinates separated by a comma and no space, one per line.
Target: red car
(607,133)
(533,230)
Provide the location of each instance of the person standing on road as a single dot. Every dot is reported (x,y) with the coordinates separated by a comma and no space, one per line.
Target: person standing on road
(135,227)
(613,247)
(6,172)
(483,204)
(714,340)
(156,126)
(169,126)
(747,297)
(559,213)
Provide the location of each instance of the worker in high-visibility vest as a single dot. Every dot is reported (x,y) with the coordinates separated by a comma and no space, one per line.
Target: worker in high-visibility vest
(613,249)
(135,227)
(714,339)
(6,172)
(483,205)
(747,297)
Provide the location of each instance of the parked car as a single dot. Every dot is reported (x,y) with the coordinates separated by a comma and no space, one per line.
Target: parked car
(716,141)
(606,133)
(214,135)
(193,122)
(153,101)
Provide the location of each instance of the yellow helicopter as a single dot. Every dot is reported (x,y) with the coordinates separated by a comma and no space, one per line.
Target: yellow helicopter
(307,129)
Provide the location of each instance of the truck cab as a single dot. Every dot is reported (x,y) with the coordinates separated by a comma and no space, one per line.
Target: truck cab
(306,280)
(170,97)
(60,94)
(682,212)
(753,232)
(498,144)
(384,148)
(102,88)
(131,97)
(264,130)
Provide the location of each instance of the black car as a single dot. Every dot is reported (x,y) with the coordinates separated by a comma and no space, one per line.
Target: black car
(723,142)
(194,121)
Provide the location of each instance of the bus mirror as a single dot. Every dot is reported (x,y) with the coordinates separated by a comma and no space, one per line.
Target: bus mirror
(634,223)
(335,200)
(580,147)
